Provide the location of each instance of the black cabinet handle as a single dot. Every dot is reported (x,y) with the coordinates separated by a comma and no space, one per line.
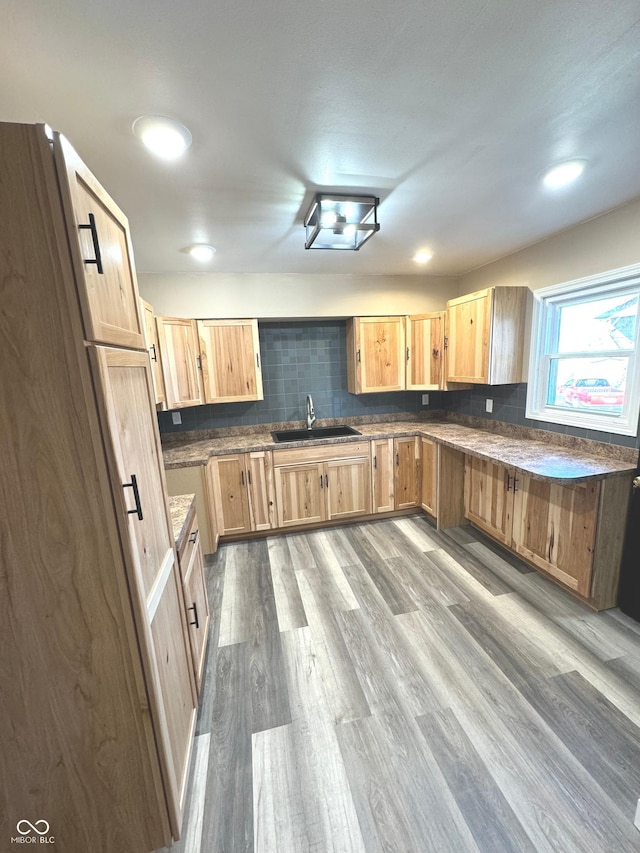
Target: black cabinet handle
(407,353)
(446,342)
(199,362)
(515,484)
(326,480)
(397,460)
(358,354)
(193,538)
(321,481)
(242,477)
(258,359)
(508,482)
(136,496)
(249,475)
(153,356)
(195,615)
(375,461)
(97,260)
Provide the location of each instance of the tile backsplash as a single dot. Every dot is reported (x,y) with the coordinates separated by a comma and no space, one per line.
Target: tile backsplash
(310,357)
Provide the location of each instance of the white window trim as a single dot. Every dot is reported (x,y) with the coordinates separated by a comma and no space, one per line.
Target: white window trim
(537,408)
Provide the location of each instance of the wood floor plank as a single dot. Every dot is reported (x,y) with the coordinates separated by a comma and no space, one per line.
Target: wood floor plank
(327,578)
(342,687)
(228,813)
(239,595)
(397,596)
(288,602)
(214,579)
(316,763)
(402,798)
(488,815)
(605,741)
(391,679)
(419,531)
(301,556)
(475,566)
(520,660)
(558,803)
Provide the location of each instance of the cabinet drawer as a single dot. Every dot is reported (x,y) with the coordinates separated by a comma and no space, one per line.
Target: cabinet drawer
(302,455)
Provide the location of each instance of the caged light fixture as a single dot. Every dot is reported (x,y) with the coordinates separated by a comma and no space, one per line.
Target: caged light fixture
(336,221)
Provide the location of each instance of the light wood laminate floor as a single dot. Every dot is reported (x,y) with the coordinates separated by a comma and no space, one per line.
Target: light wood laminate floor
(384,688)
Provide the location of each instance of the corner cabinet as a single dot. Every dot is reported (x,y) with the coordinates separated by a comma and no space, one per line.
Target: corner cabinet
(93,636)
(485,336)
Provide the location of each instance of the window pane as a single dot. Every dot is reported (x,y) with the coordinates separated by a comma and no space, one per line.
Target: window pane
(588,384)
(600,324)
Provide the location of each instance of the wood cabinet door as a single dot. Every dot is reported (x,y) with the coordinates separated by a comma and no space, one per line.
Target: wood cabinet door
(102,254)
(153,348)
(125,399)
(429,465)
(196,602)
(382,475)
(554,527)
(259,468)
(230,351)
(407,472)
(180,358)
(379,354)
(425,339)
(348,484)
(300,494)
(488,497)
(230,497)
(468,337)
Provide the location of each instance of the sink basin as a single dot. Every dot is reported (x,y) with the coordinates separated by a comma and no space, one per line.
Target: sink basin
(318,432)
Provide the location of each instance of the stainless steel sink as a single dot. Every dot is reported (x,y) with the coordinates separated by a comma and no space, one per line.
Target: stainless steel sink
(315,432)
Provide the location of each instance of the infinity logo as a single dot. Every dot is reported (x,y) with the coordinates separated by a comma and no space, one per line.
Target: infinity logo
(32,827)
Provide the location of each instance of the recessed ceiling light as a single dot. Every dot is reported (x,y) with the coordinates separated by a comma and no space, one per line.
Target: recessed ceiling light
(563,173)
(423,256)
(201,252)
(165,137)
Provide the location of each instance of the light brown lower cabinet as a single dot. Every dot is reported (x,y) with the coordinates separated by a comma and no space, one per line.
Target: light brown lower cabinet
(406,472)
(191,562)
(322,483)
(429,480)
(552,525)
(241,486)
(382,475)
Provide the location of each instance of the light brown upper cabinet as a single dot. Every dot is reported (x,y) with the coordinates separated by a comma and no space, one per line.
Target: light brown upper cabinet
(153,348)
(485,336)
(181,364)
(230,353)
(375,354)
(396,353)
(104,266)
(425,351)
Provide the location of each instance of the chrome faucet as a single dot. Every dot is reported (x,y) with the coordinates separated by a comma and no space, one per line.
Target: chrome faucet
(311,415)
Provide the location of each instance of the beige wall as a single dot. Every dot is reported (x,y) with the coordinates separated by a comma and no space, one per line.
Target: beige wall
(606,243)
(283,296)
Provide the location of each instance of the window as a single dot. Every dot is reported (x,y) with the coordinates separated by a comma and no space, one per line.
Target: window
(584,368)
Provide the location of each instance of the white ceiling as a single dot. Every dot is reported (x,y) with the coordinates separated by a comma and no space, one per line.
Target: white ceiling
(449,110)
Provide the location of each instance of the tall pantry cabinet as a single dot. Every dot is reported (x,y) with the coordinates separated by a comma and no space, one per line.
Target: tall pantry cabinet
(97,696)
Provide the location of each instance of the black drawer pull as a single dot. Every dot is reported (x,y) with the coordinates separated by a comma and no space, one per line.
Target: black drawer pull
(97,260)
(153,355)
(193,538)
(136,496)
(195,615)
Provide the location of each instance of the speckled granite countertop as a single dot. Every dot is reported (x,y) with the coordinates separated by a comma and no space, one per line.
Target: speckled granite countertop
(541,459)
(179,507)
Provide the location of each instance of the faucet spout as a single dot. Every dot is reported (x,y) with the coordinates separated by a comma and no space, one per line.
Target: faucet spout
(311,415)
